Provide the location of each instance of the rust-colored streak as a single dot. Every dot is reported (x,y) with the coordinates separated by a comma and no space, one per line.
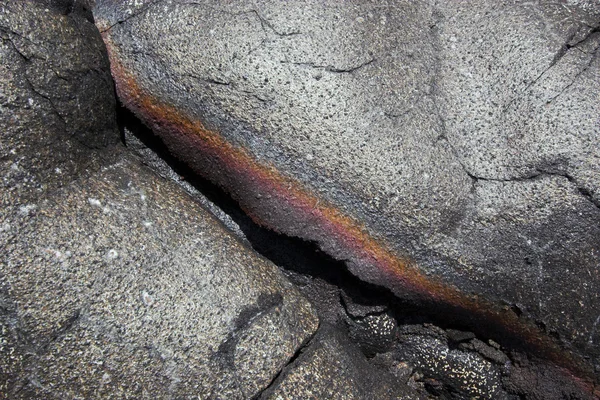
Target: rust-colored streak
(236,163)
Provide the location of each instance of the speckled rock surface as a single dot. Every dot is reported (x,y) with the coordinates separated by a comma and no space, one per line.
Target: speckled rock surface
(469,375)
(122,286)
(445,150)
(330,370)
(114,283)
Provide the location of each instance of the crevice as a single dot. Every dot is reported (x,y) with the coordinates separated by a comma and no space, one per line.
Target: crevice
(47,98)
(305,259)
(333,69)
(304,263)
(289,364)
(564,49)
(350,69)
(557,57)
(435,92)
(576,77)
(7,32)
(582,190)
(211,80)
(539,173)
(216,81)
(266,24)
(289,253)
(32,87)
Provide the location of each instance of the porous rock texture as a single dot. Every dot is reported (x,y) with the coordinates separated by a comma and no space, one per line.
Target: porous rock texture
(446,150)
(114,283)
(329,369)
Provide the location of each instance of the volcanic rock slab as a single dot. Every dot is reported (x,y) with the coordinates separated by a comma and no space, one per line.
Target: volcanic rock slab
(447,151)
(114,282)
(329,370)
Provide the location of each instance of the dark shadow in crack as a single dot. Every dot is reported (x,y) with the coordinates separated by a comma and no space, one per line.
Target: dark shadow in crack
(303,261)
(305,258)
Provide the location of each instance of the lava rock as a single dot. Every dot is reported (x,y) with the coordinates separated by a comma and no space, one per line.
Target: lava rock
(486,351)
(358,306)
(465,374)
(122,285)
(447,151)
(56,100)
(113,281)
(331,369)
(374,333)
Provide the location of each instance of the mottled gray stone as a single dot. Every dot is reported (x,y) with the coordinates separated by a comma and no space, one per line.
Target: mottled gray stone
(331,369)
(159,165)
(468,374)
(462,135)
(113,281)
(56,99)
(123,286)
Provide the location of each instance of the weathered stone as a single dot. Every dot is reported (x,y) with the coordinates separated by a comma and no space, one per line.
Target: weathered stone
(467,374)
(56,99)
(447,151)
(126,287)
(329,369)
(113,281)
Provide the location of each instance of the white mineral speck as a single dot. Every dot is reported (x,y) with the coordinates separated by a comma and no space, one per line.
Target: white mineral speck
(146,298)
(94,202)
(112,254)
(26,209)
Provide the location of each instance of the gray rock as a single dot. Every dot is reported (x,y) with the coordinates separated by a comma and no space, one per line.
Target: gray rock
(375,333)
(123,286)
(329,369)
(467,374)
(56,99)
(113,281)
(159,165)
(447,151)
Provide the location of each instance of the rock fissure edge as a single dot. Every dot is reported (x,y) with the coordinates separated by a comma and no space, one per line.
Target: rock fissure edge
(316,155)
(235,163)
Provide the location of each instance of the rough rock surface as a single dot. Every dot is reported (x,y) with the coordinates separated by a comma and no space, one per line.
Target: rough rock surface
(446,150)
(328,370)
(113,281)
